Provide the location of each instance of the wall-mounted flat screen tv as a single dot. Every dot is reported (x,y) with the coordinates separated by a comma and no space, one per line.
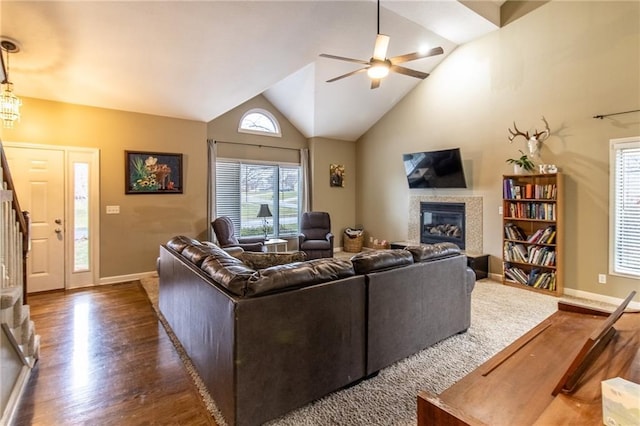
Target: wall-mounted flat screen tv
(435,169)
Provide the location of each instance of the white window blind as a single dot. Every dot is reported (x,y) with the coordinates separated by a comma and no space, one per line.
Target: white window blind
(625,198)
(242,187)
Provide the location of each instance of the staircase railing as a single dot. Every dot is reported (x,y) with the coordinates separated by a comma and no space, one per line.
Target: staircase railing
(14,244)
(17,330)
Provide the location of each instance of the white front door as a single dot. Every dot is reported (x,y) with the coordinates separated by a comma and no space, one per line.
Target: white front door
(59,187)
(38,178)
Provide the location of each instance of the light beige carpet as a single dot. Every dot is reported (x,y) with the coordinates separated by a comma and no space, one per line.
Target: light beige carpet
(499,315)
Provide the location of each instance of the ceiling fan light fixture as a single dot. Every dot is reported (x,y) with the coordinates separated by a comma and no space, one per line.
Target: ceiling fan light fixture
(378,69)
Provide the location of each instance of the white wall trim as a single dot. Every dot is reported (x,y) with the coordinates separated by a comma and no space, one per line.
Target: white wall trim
(599,297)
(583,294)
(125,278)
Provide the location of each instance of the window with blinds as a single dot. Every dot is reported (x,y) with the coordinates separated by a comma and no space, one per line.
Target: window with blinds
(625,207)
(242,187)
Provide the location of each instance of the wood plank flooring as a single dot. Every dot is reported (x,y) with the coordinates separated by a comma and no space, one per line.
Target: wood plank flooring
(106,360)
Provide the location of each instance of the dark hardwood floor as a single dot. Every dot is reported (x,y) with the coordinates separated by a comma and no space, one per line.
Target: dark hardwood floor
(106,360)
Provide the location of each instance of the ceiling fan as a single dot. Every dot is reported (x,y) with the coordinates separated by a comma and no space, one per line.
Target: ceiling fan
(379,66)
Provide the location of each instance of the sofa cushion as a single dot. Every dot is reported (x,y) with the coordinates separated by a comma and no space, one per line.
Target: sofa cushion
(180,242)
(265,260)
(198,253)
(299,274)
(377,260)
(227,271)
(426,252)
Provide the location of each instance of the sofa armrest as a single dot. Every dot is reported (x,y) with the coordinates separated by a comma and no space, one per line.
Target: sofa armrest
(470,280)
(250,240)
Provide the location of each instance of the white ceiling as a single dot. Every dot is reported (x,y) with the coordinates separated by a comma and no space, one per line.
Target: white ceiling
(199,59)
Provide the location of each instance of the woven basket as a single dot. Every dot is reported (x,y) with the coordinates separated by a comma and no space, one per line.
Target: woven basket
(352,245)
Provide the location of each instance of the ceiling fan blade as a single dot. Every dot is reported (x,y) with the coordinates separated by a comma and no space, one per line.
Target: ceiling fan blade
(416,55)
(380,49)
(346,75)
(409,72)
(375,83)
(342,58)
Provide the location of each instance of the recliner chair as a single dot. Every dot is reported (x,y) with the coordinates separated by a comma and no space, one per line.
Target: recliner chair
(315,238)
(226,236)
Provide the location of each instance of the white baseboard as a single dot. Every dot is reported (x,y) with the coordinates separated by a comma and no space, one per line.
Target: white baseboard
(599,297)
(584,295)
(124,278)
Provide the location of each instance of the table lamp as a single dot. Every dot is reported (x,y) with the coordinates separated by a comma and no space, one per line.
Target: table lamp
(264,213)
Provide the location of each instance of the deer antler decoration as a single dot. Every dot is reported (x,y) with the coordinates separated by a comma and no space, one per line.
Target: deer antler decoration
(534,140)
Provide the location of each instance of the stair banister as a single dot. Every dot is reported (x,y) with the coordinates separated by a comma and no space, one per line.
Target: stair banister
(21,219)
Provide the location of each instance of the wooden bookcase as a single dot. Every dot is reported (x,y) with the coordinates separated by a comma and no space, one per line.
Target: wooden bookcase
(532,230)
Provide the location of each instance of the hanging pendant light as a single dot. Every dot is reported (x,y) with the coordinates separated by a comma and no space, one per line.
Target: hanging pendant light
(9,103)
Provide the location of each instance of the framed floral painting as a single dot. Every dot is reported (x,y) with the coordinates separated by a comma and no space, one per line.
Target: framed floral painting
(153,173)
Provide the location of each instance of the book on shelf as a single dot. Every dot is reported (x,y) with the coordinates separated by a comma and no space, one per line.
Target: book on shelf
(514,232)
(543,256)
(516,274)
(515,252)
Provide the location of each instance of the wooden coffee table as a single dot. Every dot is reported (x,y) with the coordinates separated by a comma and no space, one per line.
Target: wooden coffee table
(520,385)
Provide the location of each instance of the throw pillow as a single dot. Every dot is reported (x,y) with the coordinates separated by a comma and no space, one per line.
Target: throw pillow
(257,261)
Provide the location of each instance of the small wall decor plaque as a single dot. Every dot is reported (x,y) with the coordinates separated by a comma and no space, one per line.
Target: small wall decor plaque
(153,173)
(336,175)
(547,168)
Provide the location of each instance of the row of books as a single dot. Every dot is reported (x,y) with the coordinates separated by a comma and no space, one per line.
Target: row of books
(543,256)
(512,190)
(536,279)
(541,236)
(536,255)
(514,232)
(540,211)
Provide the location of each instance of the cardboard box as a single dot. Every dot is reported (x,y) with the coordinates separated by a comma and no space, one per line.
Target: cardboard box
(620,402)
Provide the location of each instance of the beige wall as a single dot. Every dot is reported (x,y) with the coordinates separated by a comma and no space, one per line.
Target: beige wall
(128,241)
(225,129)
(340,202)
(567,61)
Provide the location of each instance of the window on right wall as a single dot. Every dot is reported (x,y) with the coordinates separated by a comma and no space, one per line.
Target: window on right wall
(624,217)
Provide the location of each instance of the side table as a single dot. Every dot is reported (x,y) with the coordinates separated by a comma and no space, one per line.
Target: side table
(479,263)
(274,244)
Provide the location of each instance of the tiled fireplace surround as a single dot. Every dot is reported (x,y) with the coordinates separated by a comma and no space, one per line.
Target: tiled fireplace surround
(473,218)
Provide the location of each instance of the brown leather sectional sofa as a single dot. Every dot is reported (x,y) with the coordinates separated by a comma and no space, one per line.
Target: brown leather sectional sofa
(268,341)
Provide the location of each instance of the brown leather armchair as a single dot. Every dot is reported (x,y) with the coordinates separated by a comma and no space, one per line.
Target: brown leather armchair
(226,236)
(315,238)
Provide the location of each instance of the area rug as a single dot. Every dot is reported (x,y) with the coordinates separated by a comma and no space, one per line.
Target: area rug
(499,315)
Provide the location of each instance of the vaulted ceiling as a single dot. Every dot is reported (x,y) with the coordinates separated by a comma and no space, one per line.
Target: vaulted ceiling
(199,59)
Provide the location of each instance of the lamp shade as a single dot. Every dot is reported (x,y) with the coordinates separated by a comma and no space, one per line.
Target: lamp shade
(264,211)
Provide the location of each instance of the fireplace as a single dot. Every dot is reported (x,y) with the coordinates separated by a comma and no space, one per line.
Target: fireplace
(442,222)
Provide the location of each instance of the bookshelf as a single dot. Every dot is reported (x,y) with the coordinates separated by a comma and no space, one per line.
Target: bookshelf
(532,232)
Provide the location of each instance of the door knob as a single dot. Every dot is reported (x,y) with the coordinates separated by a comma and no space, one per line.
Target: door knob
(58,231)
(58,221)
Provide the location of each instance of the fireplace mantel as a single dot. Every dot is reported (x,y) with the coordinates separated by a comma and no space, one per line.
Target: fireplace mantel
(473,218)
